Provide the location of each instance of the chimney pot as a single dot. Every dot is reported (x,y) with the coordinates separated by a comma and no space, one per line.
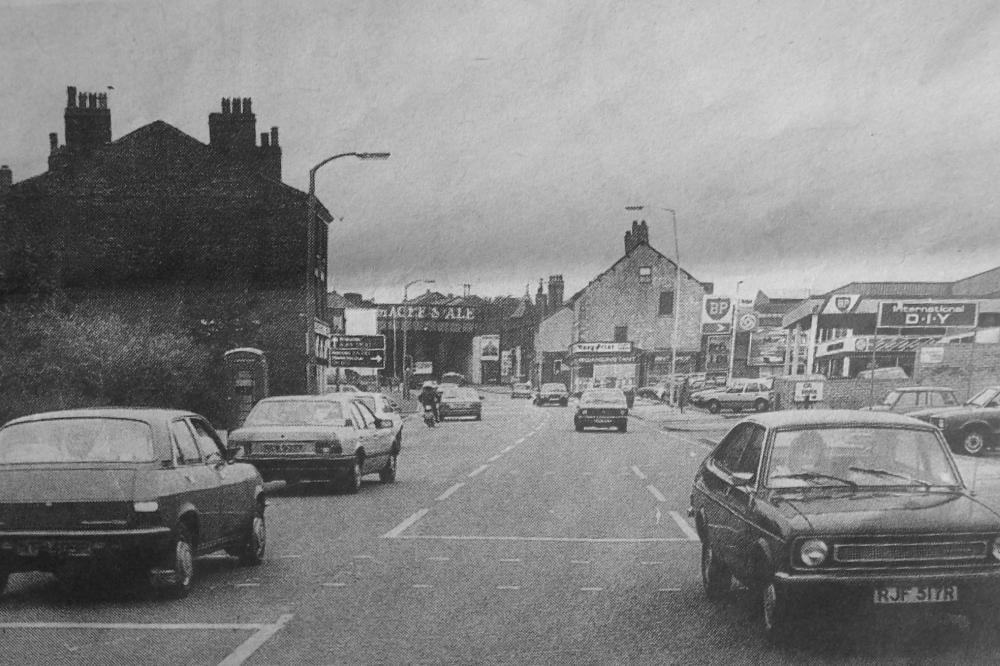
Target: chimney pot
(274,136)
(237,106)
(6,179)
(71,97)
(53,142)
(265,139)
(225,105)
(246,104)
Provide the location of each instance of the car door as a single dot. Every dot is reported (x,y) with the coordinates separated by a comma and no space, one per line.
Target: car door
(201,485)
(233,494)
(723,524)
(741,497)
(365,433)
(380,439)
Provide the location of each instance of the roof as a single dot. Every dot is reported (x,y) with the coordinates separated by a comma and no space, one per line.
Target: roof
(137,413)
(914,389)
(796,418)
(895,289)
(338,396)
(810,306)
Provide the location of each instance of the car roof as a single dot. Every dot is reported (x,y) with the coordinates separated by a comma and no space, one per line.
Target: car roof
(341,396)
(911,389)
(793,418)
(147,414)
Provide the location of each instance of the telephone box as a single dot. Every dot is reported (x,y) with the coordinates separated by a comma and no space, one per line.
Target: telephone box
(246,382)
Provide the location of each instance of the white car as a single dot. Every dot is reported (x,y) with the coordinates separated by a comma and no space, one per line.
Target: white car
(385,408)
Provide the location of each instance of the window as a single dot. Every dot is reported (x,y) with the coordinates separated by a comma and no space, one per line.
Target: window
(187,449)
(367,418)
(209,448)
(621,333)
(751,454)
(557,367)
(728,455)
(645,274)
(666,302)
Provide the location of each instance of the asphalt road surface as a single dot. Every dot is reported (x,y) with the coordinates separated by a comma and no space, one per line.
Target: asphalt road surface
(510,540)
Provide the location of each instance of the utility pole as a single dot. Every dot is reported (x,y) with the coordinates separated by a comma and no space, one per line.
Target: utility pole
(732,340)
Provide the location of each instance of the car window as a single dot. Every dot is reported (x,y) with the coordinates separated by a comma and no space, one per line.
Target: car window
(295,412)
(209,448)
(728,455)
(939,399)
(362,417)
(76,440)
(750,458)
(907,399)
(388,405)
(186,447)
(368,401)
(368,415)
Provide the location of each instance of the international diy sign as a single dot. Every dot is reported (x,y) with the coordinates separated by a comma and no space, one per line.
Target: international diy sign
(921,314)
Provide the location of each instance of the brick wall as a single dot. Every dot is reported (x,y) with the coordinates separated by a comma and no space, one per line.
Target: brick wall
(968,368)
(839,393)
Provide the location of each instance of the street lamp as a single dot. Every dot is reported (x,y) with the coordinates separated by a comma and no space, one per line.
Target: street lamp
(310,291)
(406,327)
(677,300)
(732,340)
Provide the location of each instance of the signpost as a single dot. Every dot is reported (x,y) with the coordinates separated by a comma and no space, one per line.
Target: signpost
(357,351)
(716,315)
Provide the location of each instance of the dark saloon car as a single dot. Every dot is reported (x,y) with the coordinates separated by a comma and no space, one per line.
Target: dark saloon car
(970,428)
(459,401)
(907,399)
(603,408)
(552,393)
(100,489)
(865,509)
(318,438)
(520,390)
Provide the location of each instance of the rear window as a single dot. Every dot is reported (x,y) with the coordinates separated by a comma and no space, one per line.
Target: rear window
(553,387)
(459,394)
(76,440)
(291,412)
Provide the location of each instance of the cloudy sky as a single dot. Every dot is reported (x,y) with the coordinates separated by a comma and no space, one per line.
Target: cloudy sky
(802,144)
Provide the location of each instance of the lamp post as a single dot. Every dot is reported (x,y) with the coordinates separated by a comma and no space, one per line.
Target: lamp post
(406,327)
(732,341)
(310,290)
(676,303)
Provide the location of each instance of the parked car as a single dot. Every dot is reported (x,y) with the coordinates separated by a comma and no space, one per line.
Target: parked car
(552,393)
(453,378)
(460,401)
(970,428)
(344,388)
(911,398)
(601,408)
(844,509)
(327,437)
(659,392)
(91,489)
(521,390)
(753,395)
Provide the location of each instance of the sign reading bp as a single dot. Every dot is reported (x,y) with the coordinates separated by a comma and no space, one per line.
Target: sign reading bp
(716,315)
(357,351)
(922,314)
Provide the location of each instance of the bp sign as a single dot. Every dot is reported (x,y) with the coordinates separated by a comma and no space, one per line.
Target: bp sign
(925,314)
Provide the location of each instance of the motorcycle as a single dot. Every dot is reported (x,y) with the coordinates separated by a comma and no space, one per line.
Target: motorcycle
(429,416)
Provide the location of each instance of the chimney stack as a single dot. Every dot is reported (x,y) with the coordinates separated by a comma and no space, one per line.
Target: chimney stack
(6,179)
(234,130)
(88,120)
(555,292)
(53,142)
(638,235)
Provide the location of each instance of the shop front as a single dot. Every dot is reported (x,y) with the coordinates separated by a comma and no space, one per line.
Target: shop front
(603,365)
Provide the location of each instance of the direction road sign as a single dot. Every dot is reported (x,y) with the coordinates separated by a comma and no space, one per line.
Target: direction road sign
(357,351)
(716,328)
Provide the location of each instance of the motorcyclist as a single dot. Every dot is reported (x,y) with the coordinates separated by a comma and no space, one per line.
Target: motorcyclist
(429,396)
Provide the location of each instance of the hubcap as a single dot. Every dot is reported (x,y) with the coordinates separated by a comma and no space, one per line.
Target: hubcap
(259,534)
(973,442)
(357,475)
(770,601)
(706,563)
(184,562)
(392,463)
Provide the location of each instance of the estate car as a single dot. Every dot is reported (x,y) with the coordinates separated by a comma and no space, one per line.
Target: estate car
(91,490)
(864,508)
(520,390)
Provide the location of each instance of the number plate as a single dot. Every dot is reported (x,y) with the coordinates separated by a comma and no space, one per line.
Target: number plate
(71,548)
(281,448)
(917,594)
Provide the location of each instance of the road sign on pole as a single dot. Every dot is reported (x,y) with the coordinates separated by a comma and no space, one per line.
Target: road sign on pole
(357,351)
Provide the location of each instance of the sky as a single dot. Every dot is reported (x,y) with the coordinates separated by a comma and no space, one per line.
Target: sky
(802,145)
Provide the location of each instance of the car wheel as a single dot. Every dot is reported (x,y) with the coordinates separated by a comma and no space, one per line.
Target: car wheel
(974,442)
(388,473)
(715,577)
(4,577)
(353,482)
(182,563)
(775,612)
(564,403)
(714,407)
(623,427)
(761,405)
(251,550)
(579,427)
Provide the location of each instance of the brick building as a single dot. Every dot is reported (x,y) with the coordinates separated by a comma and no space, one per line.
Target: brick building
(618,330)
(158,223)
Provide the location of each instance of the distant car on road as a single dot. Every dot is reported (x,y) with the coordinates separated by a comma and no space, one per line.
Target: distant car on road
(970,428)
(601,408)
(552,393)
(344,388)
(521,390)
(753,395)
(460,401)
(454,378)
(318,438)
(151,489)
(858,511)
(911,398)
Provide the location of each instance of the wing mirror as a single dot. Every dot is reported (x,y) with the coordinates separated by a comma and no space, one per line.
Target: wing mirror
(349,423)
(383,423)
(742,478)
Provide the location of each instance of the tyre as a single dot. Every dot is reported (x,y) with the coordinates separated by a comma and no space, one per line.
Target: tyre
(250,550)
(715,577)
(623,426)
(761,405)
(388,473)
(579,427)
(563,403)
(714,407)
(352,484)
(974,441)
(479,417)
(181,562)
(4,577)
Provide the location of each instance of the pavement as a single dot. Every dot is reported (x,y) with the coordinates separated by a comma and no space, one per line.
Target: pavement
(514,540)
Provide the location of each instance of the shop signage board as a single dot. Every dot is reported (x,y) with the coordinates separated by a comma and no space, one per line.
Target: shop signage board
(716,315)
(923,314)
(767,347)
(357,351)
(601,348)
(489,348)
(427,312)
(808,391)
(841,303)
(931,355)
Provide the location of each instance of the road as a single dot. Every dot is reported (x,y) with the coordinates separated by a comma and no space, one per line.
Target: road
(510,540)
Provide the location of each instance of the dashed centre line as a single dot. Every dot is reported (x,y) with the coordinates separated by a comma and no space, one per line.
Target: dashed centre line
(638,472)
(685,526)
(494,458)
(510,559)
(396,531)
(451,491)
(479,470)
(508,587)
(656,493)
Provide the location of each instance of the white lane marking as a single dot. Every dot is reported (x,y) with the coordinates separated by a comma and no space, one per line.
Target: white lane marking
(548,473)
(669,589)
(399,529)
(132,625)
(656,493)
(451,491)
(285,557)
(250,645)
(649,564)
(246,585)
(520,440)
(508,587)
(638,472)
(591,589)
(506,449)
(364,557)
(334,584)
(420,586)
(510,559)
(478,470)
(438,559)
(685,526)
(477,537)
(494,458)
(579,561)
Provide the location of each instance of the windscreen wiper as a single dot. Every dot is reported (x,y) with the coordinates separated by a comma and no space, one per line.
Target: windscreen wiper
(884,472)
(810,476)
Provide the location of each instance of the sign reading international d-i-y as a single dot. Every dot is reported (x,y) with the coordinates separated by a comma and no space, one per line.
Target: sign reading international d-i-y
(357,351)
(716,316)
(921,314)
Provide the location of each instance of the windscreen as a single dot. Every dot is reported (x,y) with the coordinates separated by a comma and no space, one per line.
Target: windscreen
(859,456)
(292,412)
(553,387)
(603,397)
(76,440)
(367,401)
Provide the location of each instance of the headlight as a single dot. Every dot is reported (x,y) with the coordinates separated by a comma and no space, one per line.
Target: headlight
(938,423)
(583,412)
(151,506)
(813,552)
(995,549)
